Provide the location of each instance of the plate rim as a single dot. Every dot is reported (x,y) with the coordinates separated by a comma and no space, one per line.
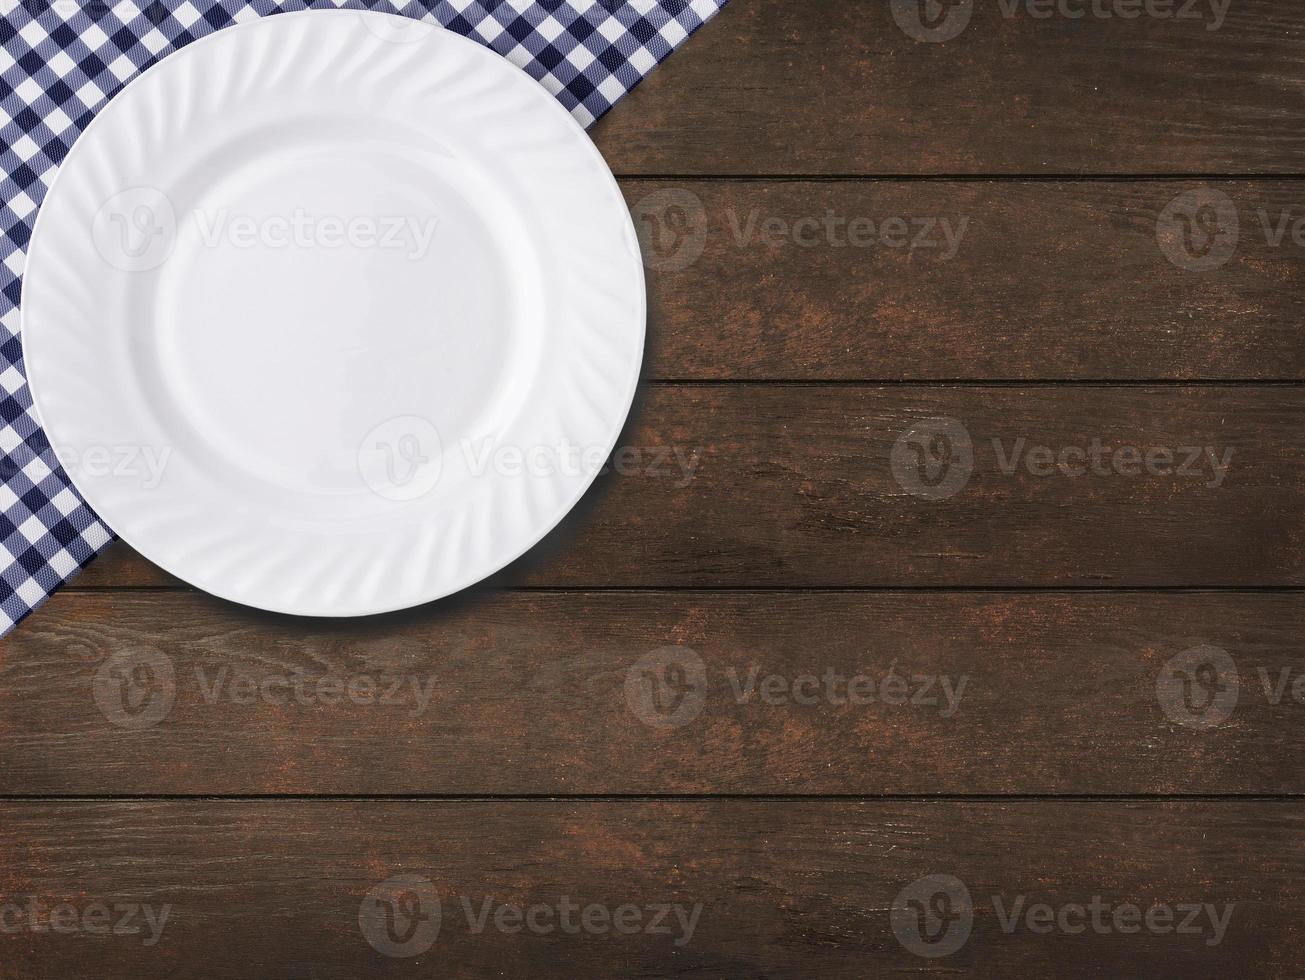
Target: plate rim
(547,526)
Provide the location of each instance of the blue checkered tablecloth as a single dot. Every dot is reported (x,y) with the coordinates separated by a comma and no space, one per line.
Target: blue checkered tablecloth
(61,60)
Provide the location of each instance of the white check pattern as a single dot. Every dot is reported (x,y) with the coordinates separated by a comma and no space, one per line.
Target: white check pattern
(61,60)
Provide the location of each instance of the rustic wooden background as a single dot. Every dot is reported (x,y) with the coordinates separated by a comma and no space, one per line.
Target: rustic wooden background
(787,371)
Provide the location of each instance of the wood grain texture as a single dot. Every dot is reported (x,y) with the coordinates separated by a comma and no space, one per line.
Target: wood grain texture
(728,548)
(785,890)
(775,87)
(542,693)
(970,280)
(795,487)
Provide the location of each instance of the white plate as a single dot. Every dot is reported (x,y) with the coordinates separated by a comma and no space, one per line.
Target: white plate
(332,313)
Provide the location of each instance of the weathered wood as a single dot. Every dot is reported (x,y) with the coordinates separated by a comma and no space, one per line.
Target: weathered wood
(776,87)
(977,280)
(795,486)
(552,693)
(562,693)
(783,889)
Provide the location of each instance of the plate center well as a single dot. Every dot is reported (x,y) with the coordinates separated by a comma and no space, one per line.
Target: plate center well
(316,294)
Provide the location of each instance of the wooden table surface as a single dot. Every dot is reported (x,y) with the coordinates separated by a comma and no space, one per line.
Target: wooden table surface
(942,611)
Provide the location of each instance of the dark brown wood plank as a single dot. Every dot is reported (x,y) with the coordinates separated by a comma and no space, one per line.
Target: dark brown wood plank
(654,693)
(774,890)
(791,486)
(866,280)
(838,87)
